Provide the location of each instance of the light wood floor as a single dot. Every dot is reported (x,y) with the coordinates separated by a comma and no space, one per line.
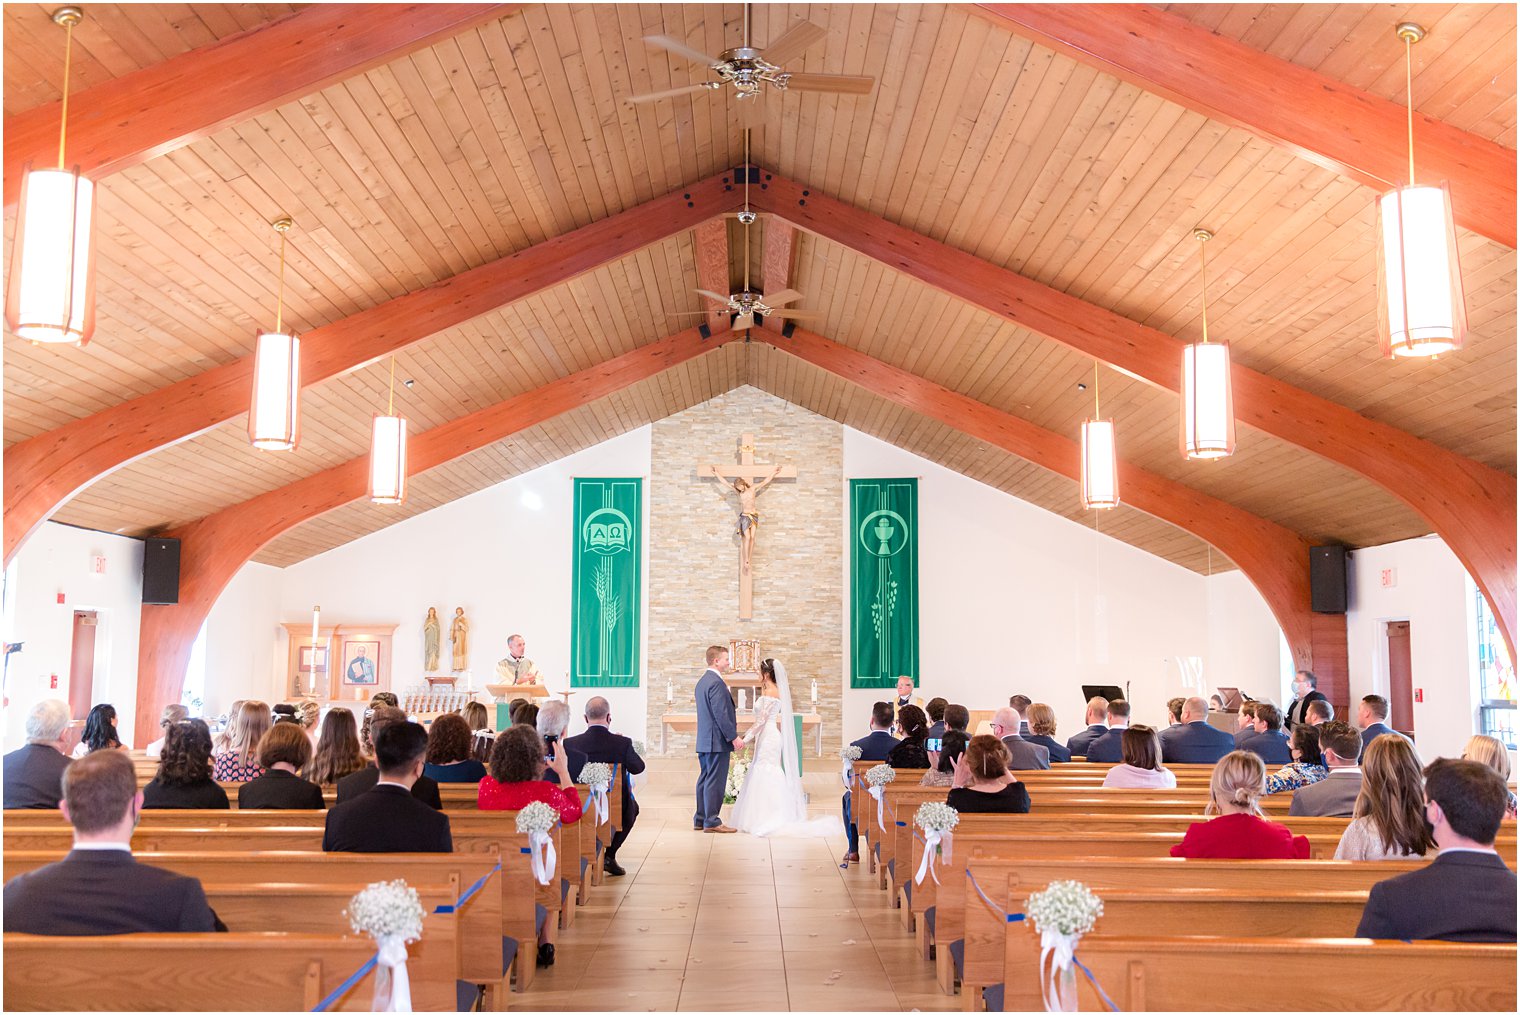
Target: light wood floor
(733,923)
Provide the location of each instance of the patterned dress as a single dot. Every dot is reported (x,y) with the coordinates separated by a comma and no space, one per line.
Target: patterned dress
(1295,775)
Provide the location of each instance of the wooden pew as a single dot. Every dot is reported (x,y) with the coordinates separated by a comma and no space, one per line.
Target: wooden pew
(1327,974)
(191,972)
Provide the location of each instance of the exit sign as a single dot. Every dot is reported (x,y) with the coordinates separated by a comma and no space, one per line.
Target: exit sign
(1389,577)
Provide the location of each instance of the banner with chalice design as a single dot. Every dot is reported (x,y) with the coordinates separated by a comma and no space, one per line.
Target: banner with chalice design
(604,589)
(883,581)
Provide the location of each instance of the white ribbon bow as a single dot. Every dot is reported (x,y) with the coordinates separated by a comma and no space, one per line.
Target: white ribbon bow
(846,774)
(541,849)
(1058,983)
(933,838)
(393,988)
(878,792)
(599,801)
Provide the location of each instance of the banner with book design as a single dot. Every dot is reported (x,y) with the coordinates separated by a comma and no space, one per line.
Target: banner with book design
(883,581)
(605,580)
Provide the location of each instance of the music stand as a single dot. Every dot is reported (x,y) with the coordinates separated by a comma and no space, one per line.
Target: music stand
(1108,692)
(1232,699)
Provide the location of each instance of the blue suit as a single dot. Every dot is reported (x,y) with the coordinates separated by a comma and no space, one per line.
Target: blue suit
(1376,730)
(1109,747)
(1057,752)
(874,746)
(1079,742)
(1194,743)
(717,726)
(1270,746)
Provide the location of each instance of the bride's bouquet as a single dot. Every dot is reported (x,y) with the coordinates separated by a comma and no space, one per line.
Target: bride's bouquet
(391,913)
(738,768)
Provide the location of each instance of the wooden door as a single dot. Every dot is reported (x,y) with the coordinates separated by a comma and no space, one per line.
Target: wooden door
(1400,678)
(82,664)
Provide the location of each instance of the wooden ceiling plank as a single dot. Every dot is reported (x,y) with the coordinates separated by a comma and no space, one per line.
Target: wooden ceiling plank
(711,242)
(1307,112)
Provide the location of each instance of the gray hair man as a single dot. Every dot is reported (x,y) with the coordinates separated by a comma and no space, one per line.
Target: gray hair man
(34,773)
(553,717)
(1024,755)
(599,743)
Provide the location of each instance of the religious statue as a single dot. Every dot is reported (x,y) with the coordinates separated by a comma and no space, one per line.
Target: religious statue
(749,518)
(517,668)
(430,640)
(459,634)
(747,480)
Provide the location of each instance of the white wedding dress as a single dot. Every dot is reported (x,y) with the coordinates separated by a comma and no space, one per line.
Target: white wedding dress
(771,800)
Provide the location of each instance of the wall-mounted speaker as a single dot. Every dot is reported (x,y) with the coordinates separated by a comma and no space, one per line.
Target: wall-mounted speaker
(160,572)
(1327,579)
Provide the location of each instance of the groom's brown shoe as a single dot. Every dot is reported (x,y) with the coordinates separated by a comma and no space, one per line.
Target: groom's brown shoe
(724,829)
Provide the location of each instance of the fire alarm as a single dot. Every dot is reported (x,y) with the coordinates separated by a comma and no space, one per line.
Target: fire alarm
(53,682)
(1419,694)
(60,599)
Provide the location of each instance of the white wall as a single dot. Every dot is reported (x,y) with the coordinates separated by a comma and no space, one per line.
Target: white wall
(1246,647)
(56,559)
(245,646)
(1018,600)
(1431,593)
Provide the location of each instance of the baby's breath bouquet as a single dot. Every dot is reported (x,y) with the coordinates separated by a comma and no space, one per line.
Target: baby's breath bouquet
(1061,914)
(877,778)
(848,756)
(536,820)
(597,775)
(936,819)
(391,913)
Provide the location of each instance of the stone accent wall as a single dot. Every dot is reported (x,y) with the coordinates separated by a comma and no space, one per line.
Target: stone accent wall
(799,598)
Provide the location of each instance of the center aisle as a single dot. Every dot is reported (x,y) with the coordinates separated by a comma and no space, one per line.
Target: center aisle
(733,923)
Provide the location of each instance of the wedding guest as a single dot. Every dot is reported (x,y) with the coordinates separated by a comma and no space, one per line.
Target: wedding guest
(1140,763)
(553,718)
(1466,893)
(1240,832)
(1307,766)
(1195,742)
(338,753)
(1022,755)
(283,752)
(385,698)
(1174,711)
(172,714)
(1319,712)
(1490,751)
(33,773)
(943,761)
(184,779)
(366,778)
(224,735)
(311,716)
(1334,795)
(1108,748)
(1021,703)
(99,731)
(448,752)
(1042,725)
(1388,822)
(1305,693)
(913,726)
(876,745)
(525,714)
(388,817)
(1246,722)
(983,784)
(1097,725)
(1370,716)
(284,712)
(240,763)
(958,717)
(476,716)
(935,710)
(599,743)
(1267,741)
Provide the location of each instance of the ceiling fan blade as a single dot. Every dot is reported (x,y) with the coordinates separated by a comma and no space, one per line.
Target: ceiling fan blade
(843,84)
(671,93)
(796,315)
(680,48)
(720,297)
(744,321)
(782,298)
(792,42)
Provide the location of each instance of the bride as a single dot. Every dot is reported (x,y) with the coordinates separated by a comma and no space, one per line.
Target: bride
(771,800)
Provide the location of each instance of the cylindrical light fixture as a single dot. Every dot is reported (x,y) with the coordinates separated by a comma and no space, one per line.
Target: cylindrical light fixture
(1208,406)
(274,418)
(387,453)
(1421,310)
(51,292)
(1100,458)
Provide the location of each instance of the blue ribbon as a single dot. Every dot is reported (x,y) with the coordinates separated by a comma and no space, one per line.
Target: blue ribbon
(902,824)
(988,902)
(347,984)
(1096,985)
(1016,917)
(469,892)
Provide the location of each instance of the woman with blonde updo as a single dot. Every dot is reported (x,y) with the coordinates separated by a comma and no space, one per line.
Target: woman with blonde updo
(1240,832)
(1491,751)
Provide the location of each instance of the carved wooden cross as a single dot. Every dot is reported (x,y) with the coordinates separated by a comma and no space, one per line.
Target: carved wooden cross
(746,479)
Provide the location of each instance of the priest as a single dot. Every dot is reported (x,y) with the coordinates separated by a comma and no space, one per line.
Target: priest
(517,668)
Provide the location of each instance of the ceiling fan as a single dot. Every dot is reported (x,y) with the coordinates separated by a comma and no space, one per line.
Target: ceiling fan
(750,69)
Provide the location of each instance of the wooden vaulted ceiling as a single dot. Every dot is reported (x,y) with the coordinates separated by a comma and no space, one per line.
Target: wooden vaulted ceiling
(510,133)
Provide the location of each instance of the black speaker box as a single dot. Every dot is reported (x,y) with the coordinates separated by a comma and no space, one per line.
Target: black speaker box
(1327,579)
(160,572)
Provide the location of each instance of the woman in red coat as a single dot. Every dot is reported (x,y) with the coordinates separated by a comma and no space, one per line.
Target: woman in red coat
(1240,832)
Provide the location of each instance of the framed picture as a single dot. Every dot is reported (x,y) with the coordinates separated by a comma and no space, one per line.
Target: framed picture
(349,662)
(361,663)
(313,654)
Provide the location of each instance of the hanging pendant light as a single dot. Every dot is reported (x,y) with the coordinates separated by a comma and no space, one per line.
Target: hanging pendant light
(1208,408)
(274,418)
(1421,309)
(51,294)
(1100,458)
(387,453)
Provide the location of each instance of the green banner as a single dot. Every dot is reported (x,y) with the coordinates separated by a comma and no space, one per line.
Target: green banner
(604,586)
(883,581)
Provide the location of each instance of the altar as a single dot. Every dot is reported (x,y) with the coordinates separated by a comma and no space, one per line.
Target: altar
(686,722)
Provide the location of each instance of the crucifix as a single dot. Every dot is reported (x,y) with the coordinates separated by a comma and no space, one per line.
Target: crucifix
(747,480)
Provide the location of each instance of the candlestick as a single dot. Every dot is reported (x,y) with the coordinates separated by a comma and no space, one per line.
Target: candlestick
(316,616)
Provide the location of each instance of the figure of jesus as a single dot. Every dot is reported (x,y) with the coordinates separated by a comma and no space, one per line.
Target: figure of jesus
(749,518)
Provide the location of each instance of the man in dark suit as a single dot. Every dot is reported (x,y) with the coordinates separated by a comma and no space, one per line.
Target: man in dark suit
(1109,747)
(935,710)
(1246,720)
(874,746)
(599,743)
(1097,713)
(1267,740)
(957,718)
(1041,720)
(1305,690)
(1195,742)
(553,718)
(34,773)
(1466,893)
(388,819)
(1021,703)
(717,738)
(98,888)
(362,781)
(1335,795)
(1022,755)
(1371,716)
(1319,712)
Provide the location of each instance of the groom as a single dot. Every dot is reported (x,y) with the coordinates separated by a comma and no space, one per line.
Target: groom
(717,736)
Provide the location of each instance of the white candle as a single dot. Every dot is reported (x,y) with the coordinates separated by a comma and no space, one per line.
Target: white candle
(316,614)
(670,692)
(815,692)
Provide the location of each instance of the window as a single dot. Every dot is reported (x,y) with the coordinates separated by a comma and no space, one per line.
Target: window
(1496,677)
(195,675)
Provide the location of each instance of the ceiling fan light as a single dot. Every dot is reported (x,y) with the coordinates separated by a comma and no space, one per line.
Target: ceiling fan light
(274,420)
(387,460)
(1100,465)
(1421,307)
(51,294)
(1208,406)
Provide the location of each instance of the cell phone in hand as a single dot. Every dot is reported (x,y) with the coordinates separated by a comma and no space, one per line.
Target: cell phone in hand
(934,744)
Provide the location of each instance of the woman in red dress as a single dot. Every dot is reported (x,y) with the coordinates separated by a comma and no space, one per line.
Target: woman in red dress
(1240,832)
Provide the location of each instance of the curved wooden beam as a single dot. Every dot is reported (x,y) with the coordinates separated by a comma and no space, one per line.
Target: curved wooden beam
(1328,122)
(1275,559)
(213,548)
(1469,505)
(45,471)
(150,112)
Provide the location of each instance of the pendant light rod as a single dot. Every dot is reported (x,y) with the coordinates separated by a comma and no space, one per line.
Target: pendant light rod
(390,405)
(1203,236)
(1097,412)
(1411,33)
(281,226)
(746,187)
(68,17)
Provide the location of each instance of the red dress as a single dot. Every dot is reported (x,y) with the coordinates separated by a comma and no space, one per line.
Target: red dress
(1242,837)
(514,796)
